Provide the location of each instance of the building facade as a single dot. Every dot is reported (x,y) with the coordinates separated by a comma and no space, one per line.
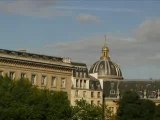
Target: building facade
(45,72)
(53,73)
(102,84)
(84,86)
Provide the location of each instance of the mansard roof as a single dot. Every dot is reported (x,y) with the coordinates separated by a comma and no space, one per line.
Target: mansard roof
(35,60)
(31,55)
(145,88)
(94,84)
(79,64)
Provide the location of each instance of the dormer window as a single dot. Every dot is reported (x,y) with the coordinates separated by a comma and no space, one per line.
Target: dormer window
(84,85)
(92,86)
(84,74)
(112,92)
(76,74)
(99,86)
(80,74)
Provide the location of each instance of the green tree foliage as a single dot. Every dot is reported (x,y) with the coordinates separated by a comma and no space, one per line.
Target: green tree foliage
(86,111)
(131,107)
(157,113)
(19,100)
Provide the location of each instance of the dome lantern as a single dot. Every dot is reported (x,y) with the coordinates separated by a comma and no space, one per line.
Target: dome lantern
(105,51)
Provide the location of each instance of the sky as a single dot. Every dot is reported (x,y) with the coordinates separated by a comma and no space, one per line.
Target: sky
(76,29)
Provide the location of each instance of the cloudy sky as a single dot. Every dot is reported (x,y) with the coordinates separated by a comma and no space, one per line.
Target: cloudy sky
(76,29)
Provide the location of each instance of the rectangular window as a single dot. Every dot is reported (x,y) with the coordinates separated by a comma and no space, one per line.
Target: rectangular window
(12,75)
(63,83)
(84,93)
(81,74)
(33,79)
(53,82)
(1,73)
(84,85)
(23,75)
(112,92)
(111,109)
(84,75)
(92,86)
(80,83)
(98,102)
(43,80)
(77,83)
(76,74)
(92,94)
(98,95)
(76,93)
(92,102)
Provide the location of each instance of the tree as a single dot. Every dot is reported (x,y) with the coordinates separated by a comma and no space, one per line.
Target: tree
(86,111)
(19,100)
(157,113)
(147,109)
(131,107)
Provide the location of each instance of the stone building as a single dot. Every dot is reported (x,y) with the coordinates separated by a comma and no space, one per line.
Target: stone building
(53,73)
(84,86)
(46,72)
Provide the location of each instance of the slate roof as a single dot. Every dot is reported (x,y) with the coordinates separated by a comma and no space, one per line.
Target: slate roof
(31,55)
(94,84)
(145,88)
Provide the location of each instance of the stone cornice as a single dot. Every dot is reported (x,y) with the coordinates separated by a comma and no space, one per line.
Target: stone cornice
(35,64)
(32,57)
(113,77)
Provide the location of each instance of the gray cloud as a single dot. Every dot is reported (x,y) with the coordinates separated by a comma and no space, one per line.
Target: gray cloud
(39,8)
(45,8)
(140,51)
(149,31)
(102,9)
(87,18)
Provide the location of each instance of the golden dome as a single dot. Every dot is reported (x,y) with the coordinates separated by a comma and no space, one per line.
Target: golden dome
(105,67)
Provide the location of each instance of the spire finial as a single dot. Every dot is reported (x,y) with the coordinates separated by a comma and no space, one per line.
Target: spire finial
(105,42)
(105,51)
